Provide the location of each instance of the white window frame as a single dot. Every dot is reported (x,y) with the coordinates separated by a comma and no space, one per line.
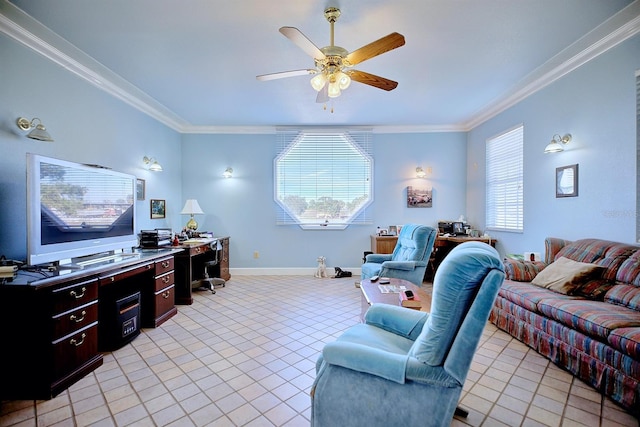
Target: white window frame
(317,164)
(505,181)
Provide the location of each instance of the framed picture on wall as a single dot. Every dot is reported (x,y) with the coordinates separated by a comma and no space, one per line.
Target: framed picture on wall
(567,181)
(158,209)
(419,197)
(139,189)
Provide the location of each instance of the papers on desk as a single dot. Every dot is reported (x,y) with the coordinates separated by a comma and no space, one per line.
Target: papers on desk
(391,289)
(188,241)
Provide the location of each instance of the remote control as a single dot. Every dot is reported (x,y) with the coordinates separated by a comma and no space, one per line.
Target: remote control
(374,278)
(385,280)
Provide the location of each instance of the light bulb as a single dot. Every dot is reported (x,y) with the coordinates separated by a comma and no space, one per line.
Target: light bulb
(343,80)
(318,81)
(334,90)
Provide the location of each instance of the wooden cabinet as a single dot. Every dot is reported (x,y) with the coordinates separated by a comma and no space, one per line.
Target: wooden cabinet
(383,244)
(224,260)
(49,338)
(54,324)
(159,304)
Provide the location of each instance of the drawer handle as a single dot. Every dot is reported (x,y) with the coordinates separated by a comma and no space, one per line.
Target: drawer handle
(166,294)
(76,319)
(165,264)
(148,266)
(78,343)
(78,296)
(166,279)
(197,250)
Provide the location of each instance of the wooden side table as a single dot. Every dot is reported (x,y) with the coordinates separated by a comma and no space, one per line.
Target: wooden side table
(371,295)
(383,244)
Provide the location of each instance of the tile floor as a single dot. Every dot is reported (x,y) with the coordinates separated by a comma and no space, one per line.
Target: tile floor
(246,356)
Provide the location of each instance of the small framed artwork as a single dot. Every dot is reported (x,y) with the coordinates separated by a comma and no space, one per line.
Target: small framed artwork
(393,230)
(139,189)
(567,181)
(158,209)
(419,197)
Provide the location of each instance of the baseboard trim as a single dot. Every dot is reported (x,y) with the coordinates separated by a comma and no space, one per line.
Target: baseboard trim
(288,271)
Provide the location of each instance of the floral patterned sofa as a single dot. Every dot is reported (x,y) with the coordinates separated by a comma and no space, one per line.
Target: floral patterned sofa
(584,317)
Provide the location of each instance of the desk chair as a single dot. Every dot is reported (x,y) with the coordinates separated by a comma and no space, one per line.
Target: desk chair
(208,282)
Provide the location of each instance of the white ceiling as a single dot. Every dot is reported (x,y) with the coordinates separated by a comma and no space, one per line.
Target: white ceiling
(192,63)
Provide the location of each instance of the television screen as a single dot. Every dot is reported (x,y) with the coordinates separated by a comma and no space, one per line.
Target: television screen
(76,210)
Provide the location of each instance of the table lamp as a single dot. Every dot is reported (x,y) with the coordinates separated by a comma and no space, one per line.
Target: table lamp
(191,207)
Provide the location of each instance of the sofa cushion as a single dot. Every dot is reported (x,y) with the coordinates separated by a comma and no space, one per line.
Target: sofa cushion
(627,340)
(564,275)
(527,295)
(629,271)
(522,271)
(594,289)
(608,254)
(625,295)
(593,318)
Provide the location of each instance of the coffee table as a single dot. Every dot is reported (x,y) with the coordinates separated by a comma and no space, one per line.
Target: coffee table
(371,294)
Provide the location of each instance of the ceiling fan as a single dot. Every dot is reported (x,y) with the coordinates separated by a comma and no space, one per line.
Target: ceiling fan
(333,64)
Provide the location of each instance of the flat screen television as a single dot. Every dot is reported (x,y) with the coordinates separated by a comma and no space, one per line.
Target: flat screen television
(76,210)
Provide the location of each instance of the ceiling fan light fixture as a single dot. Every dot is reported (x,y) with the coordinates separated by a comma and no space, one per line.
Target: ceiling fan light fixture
(318,81)
(344,81)
(334,89)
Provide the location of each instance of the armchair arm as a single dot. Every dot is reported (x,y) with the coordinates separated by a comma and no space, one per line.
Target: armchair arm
(398,320)
(403,265)
(378,258)
(362,358)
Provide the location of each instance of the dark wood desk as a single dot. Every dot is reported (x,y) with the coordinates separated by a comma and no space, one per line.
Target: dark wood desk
(442,246)
(190,264)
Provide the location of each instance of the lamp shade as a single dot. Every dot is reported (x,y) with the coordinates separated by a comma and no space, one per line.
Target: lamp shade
(191,207)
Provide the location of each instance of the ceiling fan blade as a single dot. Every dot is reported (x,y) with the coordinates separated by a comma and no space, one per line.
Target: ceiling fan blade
(283,74)
(378,47)
(323,94)
(372,80)
(296,36)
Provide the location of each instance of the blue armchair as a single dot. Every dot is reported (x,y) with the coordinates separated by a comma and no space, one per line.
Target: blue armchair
(404,367)
(409,258)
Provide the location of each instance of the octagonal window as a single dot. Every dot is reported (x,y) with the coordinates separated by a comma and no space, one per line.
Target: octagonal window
(323,180)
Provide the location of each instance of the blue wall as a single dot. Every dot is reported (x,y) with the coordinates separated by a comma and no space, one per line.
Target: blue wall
(596,103)
(88,126)
(243,207)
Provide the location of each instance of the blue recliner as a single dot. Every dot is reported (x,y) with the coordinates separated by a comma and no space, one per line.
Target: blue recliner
(404,367)
(409,258)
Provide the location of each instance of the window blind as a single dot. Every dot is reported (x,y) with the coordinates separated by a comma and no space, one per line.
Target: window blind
(323,179)
(504,181)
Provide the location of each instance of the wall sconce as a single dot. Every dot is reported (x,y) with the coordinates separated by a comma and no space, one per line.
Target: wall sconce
(421,173)
(39,132)
(228,173)
(557,142)
(191,207)
(152,164)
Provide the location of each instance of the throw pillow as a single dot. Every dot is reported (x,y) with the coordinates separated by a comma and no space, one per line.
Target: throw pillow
(565,276)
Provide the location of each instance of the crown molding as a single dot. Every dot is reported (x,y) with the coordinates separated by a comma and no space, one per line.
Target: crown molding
(615,30)
(32,34)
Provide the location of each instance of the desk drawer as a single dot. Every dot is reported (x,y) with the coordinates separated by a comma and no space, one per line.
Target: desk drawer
(73,350)
(163,281)
(199,250)
(73,296)
(164,265)
(165,300)
(66,323)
